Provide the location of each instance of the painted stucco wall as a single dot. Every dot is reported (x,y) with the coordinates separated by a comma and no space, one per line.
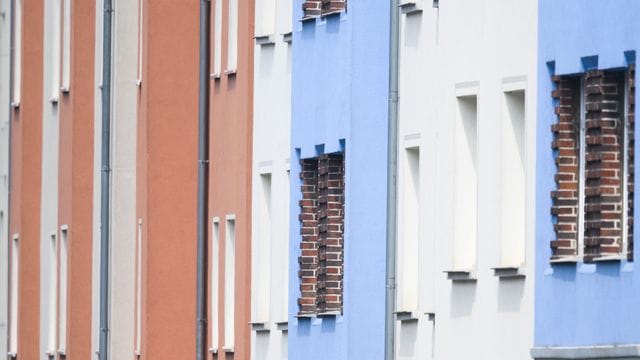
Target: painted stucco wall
(5,38)
(271,144)
(231,128)
(166,178)
(583,304)
(479,47)
(26,157)
(49,185)
(340,71)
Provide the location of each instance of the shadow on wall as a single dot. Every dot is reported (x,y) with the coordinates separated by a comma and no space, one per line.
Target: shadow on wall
(463,296)
(407,337)
(510,294)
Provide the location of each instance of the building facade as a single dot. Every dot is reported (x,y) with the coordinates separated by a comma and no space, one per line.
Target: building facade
(587,284)
(231,120)
(340,65)
(466,140)
(270,179)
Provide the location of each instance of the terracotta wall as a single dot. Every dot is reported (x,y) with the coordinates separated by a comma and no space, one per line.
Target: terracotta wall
(230,172)
(75,204)
(167,177)
(26,134)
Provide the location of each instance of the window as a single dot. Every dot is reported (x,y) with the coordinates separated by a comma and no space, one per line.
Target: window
(322,229)
(55,53)
(138,304)
(466,178)
(263,253)
(232,38)
(512,180)
(53,295)
(217,39)
(63,291)
(592,205)
(409,231)
(140,40)
(215,273)
(14,289)
(266,19)
(229,282)
(66,45)
(17,53)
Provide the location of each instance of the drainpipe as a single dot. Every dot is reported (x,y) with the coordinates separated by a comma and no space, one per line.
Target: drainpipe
(203,181)
(105,179)
(9,173)
(392,166)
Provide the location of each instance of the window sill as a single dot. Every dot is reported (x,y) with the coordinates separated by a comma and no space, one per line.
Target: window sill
(259,326)
(264,40)
(630,352)
(328,314)
(230,72)
(215,76)
(406,315)
(461,275)
(309,18)
(287,37)
(12,355)
(431,316)
(283,326)
(304,316)
(64,90)
(227,349)
(509,272)
(332,13)
(54,100)
(15,104)
(213,350)
(566,260)
(609,258)
(410,8)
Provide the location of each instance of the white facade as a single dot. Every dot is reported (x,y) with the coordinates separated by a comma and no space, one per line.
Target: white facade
(5,23)
(270,191)
(123,226)
(49,231)
(466,150)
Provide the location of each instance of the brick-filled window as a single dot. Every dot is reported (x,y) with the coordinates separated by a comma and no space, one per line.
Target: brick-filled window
(322,235)
(592,204)
(315,8)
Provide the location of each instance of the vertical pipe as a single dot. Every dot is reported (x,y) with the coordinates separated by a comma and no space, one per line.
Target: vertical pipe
(392,159)
(203,180)
(104,181)
(9,172)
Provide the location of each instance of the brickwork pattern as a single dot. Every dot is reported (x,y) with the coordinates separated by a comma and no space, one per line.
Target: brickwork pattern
(566,141)
(315,8)
(322,235)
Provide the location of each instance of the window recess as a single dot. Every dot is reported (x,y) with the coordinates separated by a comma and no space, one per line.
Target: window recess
(229,283)
(592,204)
(265,22)
(215,284)
(465,193)
(217,39)
(262,257)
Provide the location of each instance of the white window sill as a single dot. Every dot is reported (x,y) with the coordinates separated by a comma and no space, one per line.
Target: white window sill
(406,315)
(305,316)
(610,258)
(265,40)
(230,72)
(431,316)
(15,104)
(64,90)
(565,260)
(215,76)
(509,271)
(54,100)
(410,7)
(461,275)
(12,355)
(213,350)
(328,314)
(287,37)
(260,326)
(283,326)
(600,352)
(227,349)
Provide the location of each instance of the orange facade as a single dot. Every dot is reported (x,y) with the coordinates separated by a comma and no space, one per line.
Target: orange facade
(230,174)
(75,197)
(167,178)
(26,156)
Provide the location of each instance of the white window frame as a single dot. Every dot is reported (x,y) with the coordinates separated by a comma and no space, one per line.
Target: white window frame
(14,293)
(217,39)
(56,51)
(625,170)
(232,38)
(508,256)
(229,286)
(581,168)
(17,53)
(66,46)
(63,292)
(262,250)
(53,294)
(140,41)
(138,293)
(409,239)
(215,284)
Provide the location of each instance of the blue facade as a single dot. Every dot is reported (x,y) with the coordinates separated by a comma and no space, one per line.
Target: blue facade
(581,304)
(340,67)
